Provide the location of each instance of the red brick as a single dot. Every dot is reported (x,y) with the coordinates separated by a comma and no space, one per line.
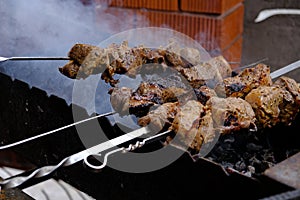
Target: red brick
(168,5)
(213,32)
(216,33)
(208,6)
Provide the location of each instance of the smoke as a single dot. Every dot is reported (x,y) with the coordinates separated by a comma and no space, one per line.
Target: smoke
(52,27)
(49,28)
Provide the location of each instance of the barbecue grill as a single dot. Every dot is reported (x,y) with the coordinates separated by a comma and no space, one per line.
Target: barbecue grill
(27,111)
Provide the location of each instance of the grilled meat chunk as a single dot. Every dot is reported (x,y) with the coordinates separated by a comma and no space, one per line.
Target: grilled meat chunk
(70,69)
(122,59)
(204,93)
(272,105)
(244,82)
(126,101)
(186,124)
(202,74)
(290,85)
(160,117)
(79,52)
(120,99)
(222,66)
(231,114)
(206,73)
(115,59)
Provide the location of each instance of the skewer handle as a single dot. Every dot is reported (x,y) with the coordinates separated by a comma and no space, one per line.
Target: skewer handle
(46,170)
(3,59)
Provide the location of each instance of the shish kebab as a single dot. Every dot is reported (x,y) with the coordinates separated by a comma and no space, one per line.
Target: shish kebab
(43,171)
(225,103)
(203,93)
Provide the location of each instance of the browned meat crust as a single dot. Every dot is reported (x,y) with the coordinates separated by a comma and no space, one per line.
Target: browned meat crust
(290,85)
(204,93)
(186,124)
(122,59)
(272,105)
(70,69)
(118,59)
(222,66)
(231,114)
(126,101)
(244,82)
(161,117)
(79,52)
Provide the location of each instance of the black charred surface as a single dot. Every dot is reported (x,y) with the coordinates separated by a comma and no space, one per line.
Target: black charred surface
(236,87)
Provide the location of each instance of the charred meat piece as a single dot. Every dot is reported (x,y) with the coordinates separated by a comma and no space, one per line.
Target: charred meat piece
(204,93)
(150,91)
(244,82)
(70,69)
(126,101)
(157,93)
(119,99)
(272,105)
(290,85)
(231,114)
(202,74)
(161,117)
(116,59)
(206,73)
(79,52)
(186,124)
(222,66)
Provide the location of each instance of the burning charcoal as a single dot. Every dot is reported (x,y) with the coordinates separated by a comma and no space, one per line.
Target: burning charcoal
(240,165)
(253,147)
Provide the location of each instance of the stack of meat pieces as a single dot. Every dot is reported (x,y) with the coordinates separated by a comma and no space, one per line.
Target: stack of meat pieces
(214,101)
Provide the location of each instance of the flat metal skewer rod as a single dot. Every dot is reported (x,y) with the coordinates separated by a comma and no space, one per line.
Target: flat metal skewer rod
(285,70)
(52,131)
(3,59)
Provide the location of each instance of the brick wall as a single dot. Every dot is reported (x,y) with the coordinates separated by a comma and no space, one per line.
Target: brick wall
(216,24)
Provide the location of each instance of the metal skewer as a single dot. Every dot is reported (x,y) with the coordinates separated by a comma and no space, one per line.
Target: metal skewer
(285,70)
(130,147)
(3,59)
(53,131)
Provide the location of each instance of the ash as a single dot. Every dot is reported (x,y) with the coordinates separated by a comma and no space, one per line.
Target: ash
(251,153)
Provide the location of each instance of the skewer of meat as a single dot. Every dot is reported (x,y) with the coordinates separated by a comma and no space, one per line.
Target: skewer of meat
(264,106)
(242,107)
(241,84)
(195,123)
(126,101)
(121,59)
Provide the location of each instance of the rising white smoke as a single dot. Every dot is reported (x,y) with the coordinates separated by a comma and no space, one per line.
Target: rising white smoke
(48,28)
